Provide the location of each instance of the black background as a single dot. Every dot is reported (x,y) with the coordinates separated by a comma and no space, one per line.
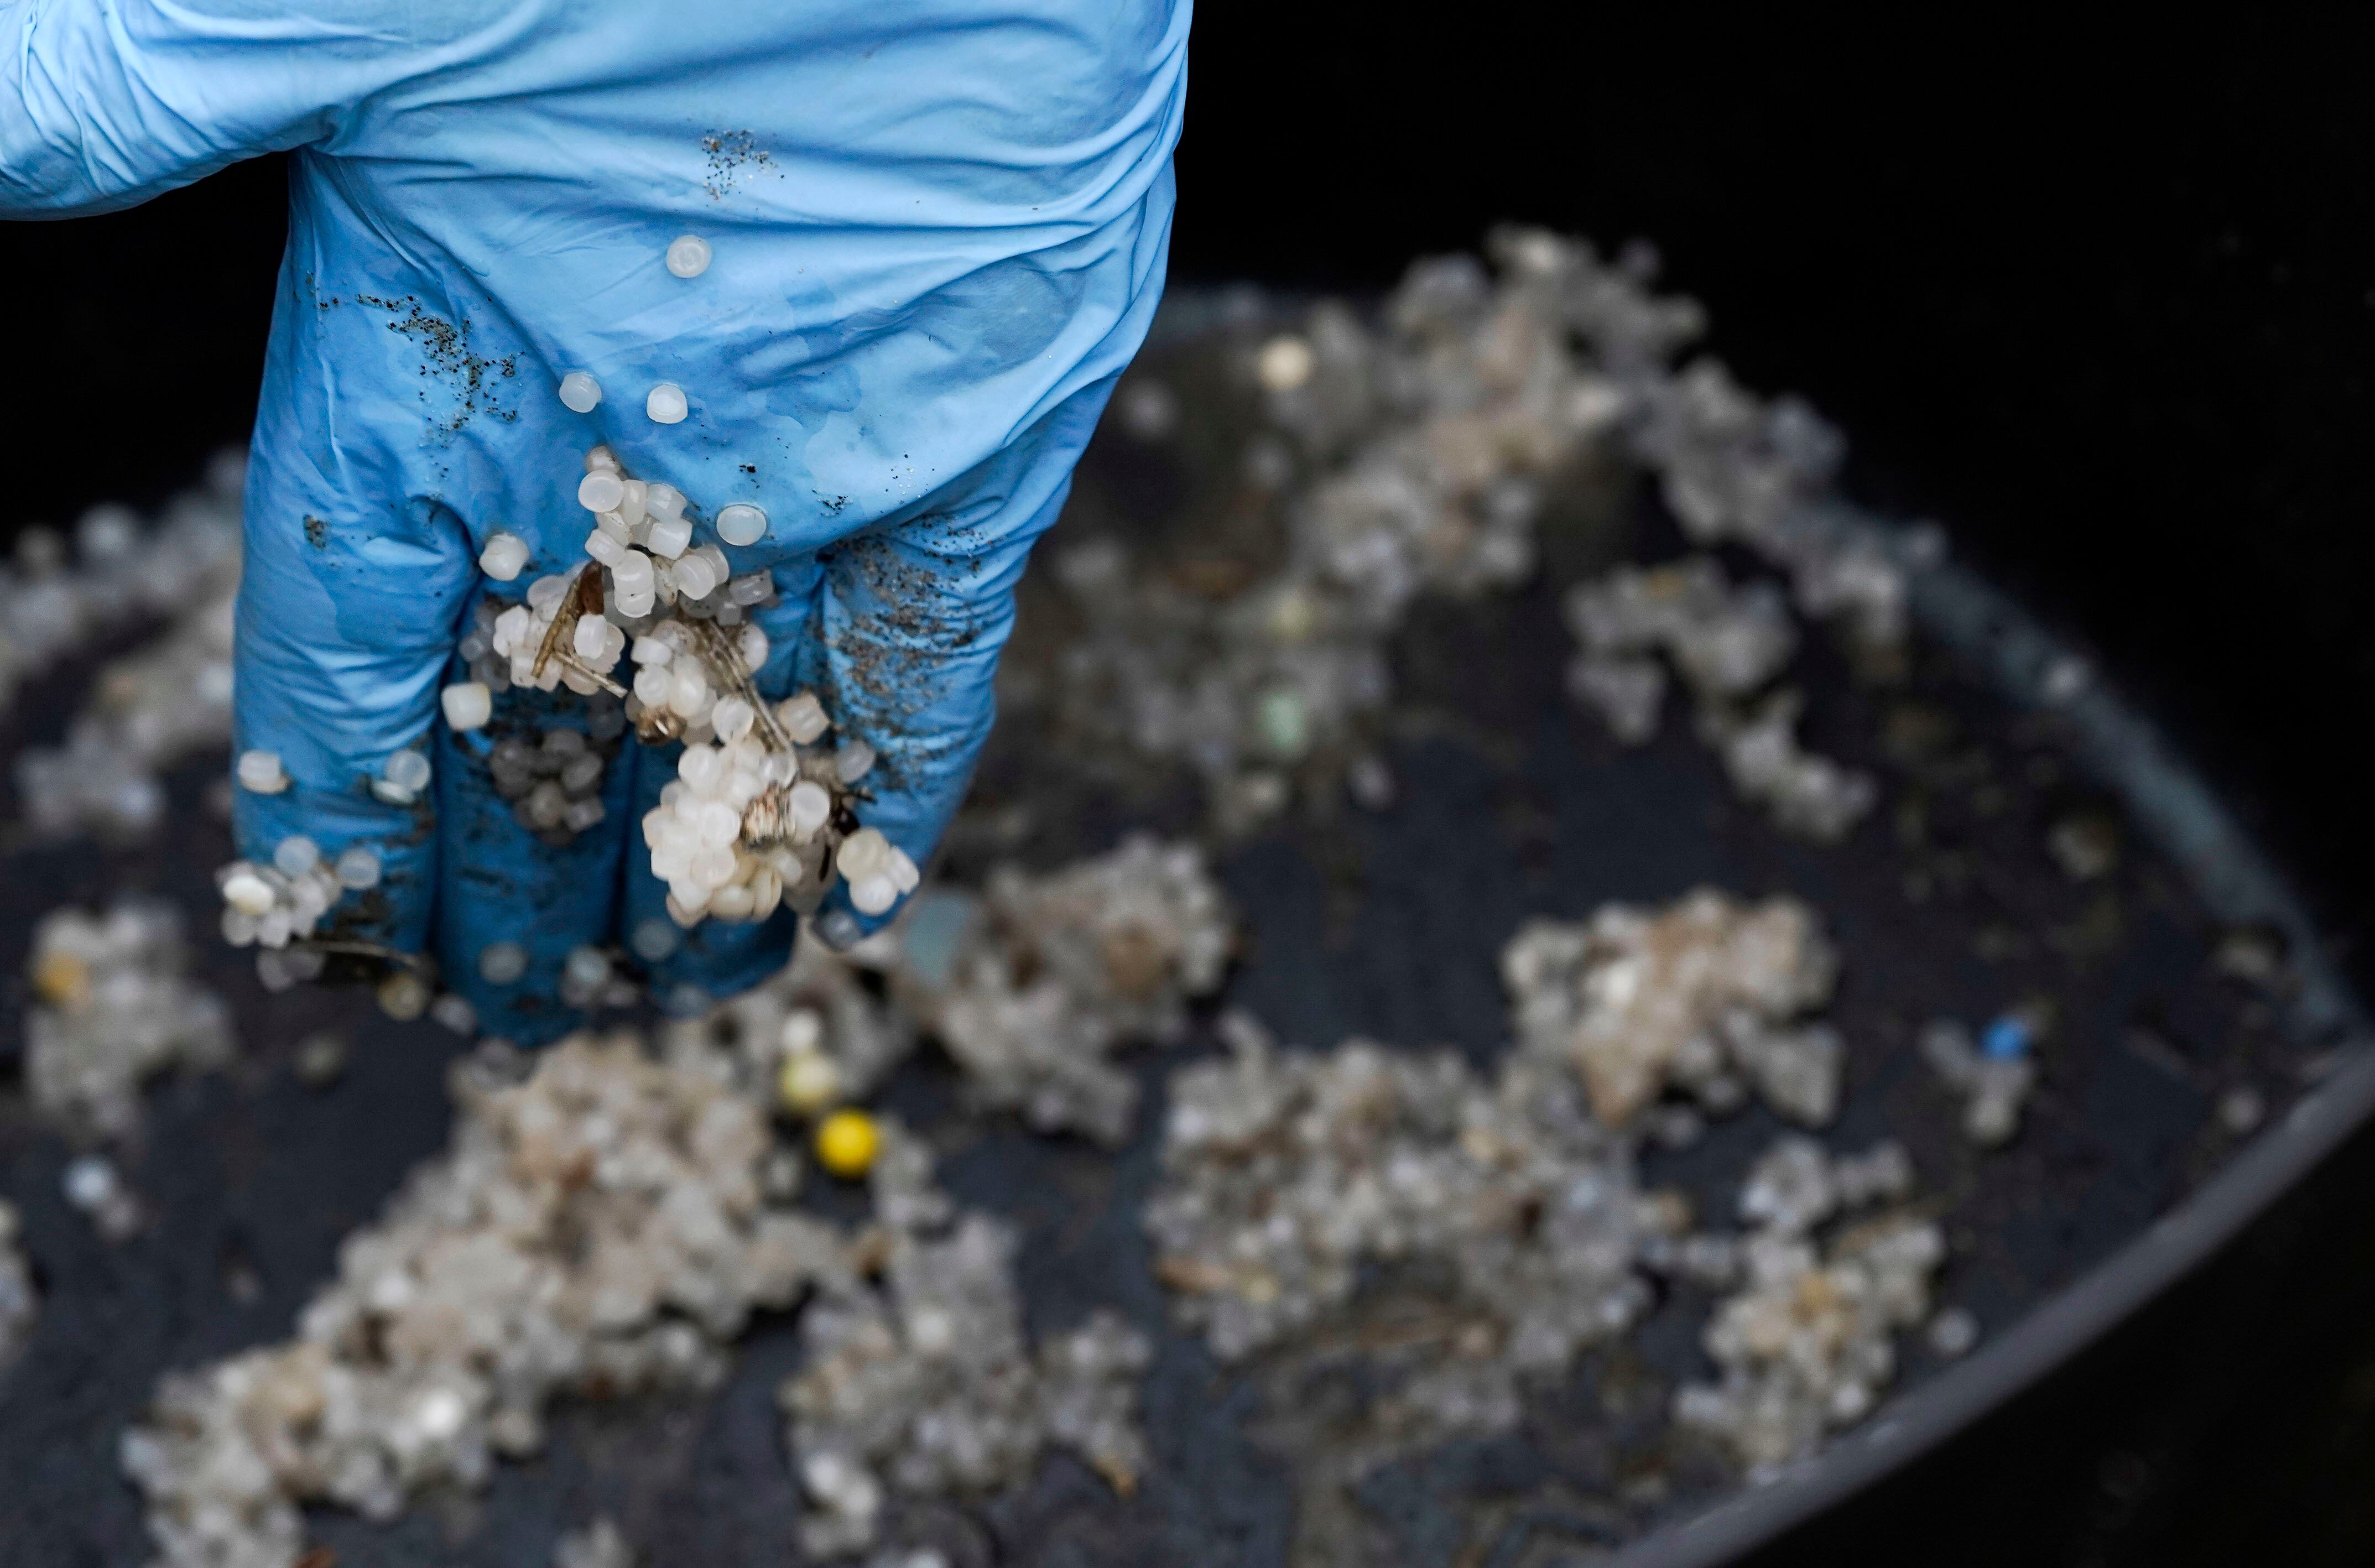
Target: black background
(2100,299)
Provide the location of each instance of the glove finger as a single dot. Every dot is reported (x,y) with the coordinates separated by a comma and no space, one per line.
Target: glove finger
(718,958)
(346,617)
(523,879)
(912,621)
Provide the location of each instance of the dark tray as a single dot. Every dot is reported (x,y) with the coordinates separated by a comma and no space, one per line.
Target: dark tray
(2121,1179)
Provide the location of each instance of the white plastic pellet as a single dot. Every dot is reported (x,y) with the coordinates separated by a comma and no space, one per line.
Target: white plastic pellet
(580,393)
(650,650)
(296,855)
(666,404)
(863,854)
(605,548)
(260,773)
(662,499)
(600,490)
(803,717)
(700,766)
(731,718)
(500,963)
(406,770)
(688,255)
(668,536)
(504,556)
(248,893)
(587,640)
(456,1013)
(358,868)
(469,705)
(873,895)
(853,761)
(751,645)
(632,504)
(695,578)
(651,683)
(601,457)
(741,524)
(633,573)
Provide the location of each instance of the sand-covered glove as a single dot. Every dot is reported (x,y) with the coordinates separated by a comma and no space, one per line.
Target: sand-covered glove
(926,236)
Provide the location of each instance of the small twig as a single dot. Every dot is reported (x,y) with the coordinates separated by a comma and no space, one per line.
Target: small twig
(361,949)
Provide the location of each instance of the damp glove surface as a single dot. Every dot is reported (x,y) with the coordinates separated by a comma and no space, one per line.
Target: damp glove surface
(931,235)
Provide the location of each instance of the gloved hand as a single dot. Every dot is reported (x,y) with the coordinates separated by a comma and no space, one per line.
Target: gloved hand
(937,231)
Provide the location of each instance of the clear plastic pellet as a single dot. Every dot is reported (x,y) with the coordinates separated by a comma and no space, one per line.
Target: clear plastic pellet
(688,255)
(666,404)
(260,773)
(358,868)
(580,393)
(500,963)
(469,705)
(408,769)
(741,524)
(504,556)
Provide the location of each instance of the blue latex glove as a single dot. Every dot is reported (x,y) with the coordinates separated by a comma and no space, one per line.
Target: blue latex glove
(938,228)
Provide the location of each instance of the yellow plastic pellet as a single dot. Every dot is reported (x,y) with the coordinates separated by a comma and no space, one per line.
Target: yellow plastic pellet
(847,1142)
(63,979)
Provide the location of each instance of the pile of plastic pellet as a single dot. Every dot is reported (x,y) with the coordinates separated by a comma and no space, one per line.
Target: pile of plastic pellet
(149,709)
(270,906)
(598,1226)
(1408,456)
(1702,996)
(1733,467)
(759,814)
(120,572)
(553,778)
(1728,643)
(1050,975)
(924,1382)
(1807,1342)
(20,1304)
(113,1008)
(1289,1179)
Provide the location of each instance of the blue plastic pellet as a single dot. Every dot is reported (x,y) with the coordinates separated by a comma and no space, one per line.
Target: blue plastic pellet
(2005,1038)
